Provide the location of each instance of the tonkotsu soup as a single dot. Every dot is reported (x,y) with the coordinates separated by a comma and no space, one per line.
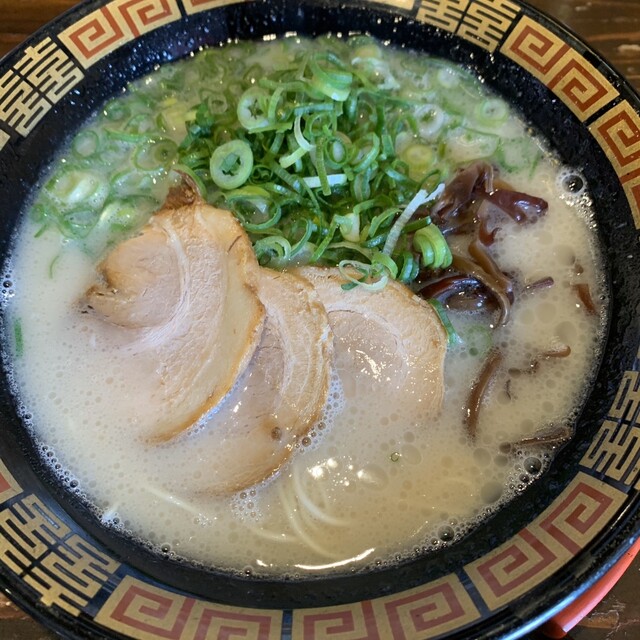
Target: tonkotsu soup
(383,343)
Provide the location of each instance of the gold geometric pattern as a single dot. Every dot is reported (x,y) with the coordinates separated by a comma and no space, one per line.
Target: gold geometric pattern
(38,80)
(405,5)
(445,14)
(139,610)
(626,404)
(115,24)
(581,512)
(21,106)
(47,68)
(427,611)
(567,73)
(615,451)
(4,138)
(483,22)
(618,133)
(416,614)
(29,531)
(342,622)
(195,6)
(581,86)
(61,567)
(487,21)
(632,189)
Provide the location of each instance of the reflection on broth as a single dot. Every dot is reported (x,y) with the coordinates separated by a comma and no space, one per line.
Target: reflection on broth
(383,343)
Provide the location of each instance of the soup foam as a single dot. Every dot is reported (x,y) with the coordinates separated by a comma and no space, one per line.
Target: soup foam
(373,482)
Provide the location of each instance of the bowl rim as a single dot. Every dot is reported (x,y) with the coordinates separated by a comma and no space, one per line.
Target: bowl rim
(628,531)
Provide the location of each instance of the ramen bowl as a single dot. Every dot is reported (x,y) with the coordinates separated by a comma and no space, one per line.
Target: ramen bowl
(507,576)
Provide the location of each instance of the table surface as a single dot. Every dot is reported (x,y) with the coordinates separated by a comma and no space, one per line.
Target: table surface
(612,27)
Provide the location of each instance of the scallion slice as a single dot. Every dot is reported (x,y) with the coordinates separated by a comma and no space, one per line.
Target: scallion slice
(231,164)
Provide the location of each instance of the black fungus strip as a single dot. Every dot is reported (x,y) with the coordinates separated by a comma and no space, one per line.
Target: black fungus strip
(470,268)
(479,390)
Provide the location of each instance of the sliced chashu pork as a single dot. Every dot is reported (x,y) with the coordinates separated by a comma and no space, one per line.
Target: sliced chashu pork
(386,342)
(182,297)
(278,398)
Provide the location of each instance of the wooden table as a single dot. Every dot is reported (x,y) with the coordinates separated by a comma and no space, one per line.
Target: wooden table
(612,27)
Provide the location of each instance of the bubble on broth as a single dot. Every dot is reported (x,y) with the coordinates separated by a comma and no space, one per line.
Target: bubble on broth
(572,184)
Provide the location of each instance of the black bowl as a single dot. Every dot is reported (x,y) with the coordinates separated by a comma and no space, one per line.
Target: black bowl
(510,574)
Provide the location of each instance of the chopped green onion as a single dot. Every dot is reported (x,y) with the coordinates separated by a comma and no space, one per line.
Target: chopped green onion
(77,223)
(430,121)
(349,226)
(18,338)
(466,145)
(435,251)
(382,261)
(382,219)
(422,197)
(131,182)
(365,152)
(371,278)
(116,110)
(151,155)
(292,158)
(332,80)
(491,112)
(273,250)
(85,144)
(231,164)
(74,187)
(319,152)
(420,158)
(409,269)
(253,109)
(128,214)
(300,139)
(334,179)
(321,248)
(452,335)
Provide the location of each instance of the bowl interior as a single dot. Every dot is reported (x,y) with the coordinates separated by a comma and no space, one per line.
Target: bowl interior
(596,472)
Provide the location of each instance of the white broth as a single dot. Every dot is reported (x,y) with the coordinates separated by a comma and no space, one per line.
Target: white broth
(374,481)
